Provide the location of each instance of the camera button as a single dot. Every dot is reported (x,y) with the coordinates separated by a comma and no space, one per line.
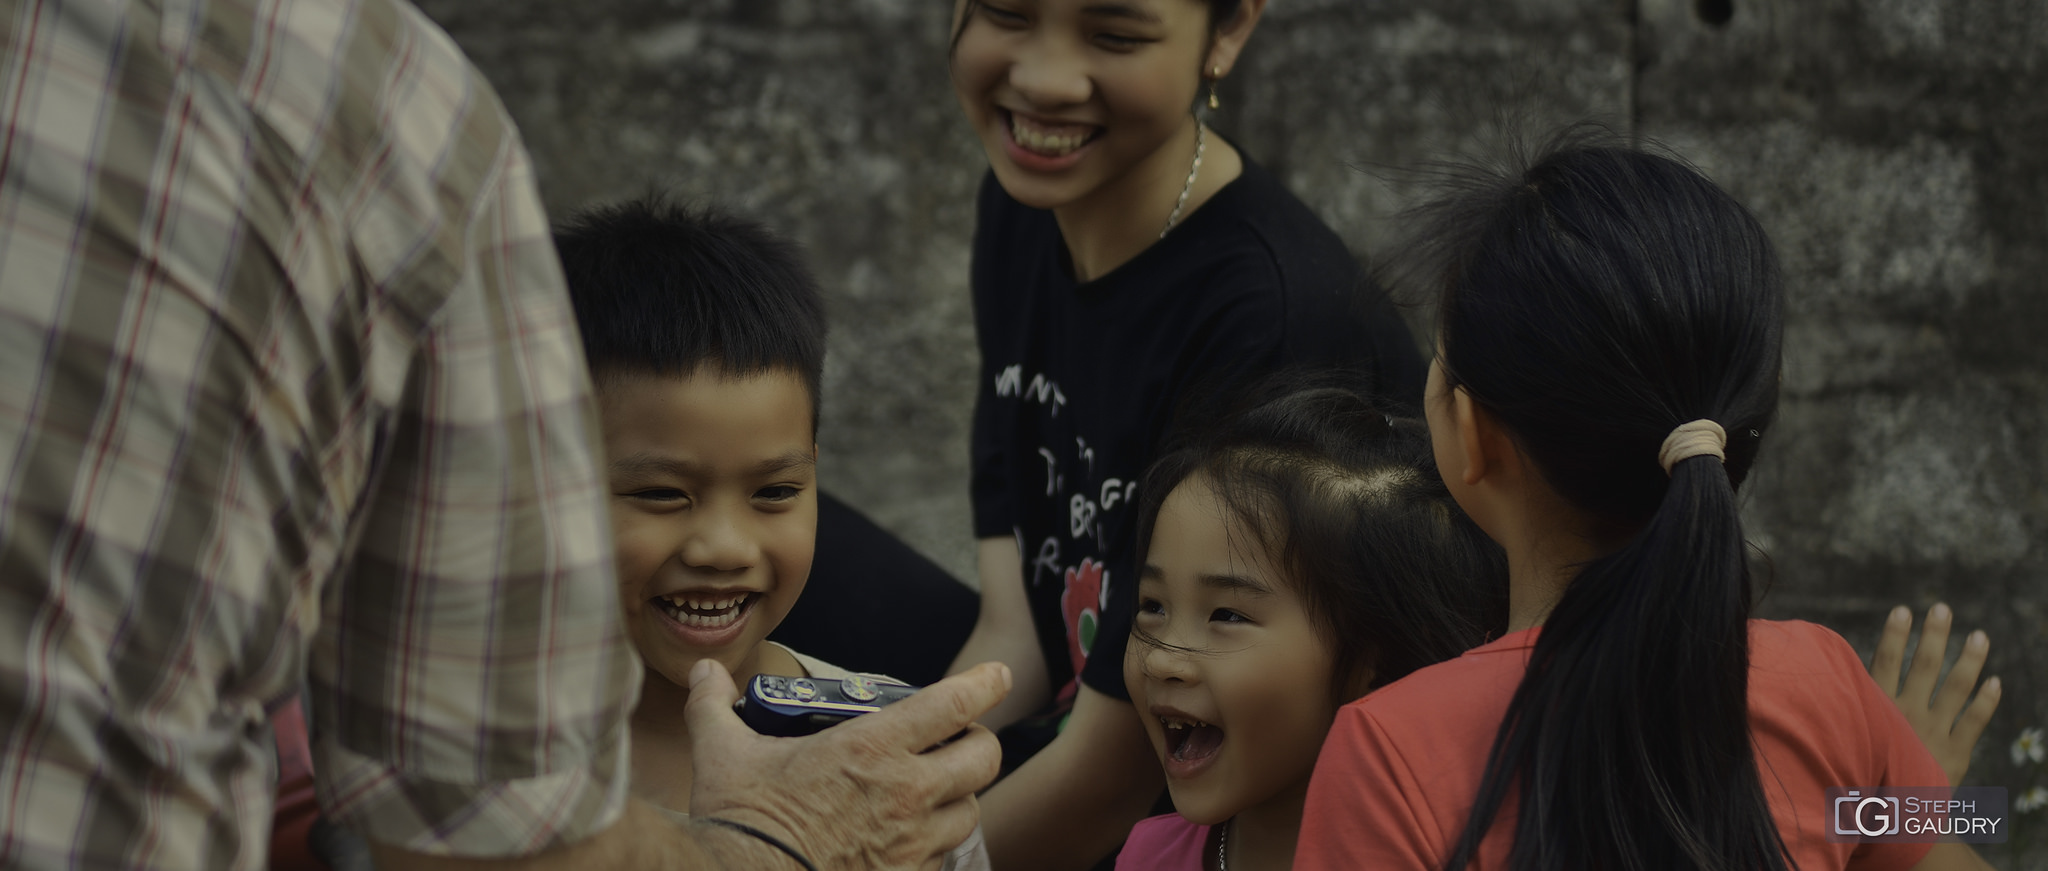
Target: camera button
(860,689)
(803,690)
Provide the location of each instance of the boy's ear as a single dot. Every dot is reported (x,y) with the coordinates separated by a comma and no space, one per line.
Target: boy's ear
(1230,38)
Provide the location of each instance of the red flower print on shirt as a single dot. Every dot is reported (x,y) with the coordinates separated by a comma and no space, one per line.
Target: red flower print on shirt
(1082,604)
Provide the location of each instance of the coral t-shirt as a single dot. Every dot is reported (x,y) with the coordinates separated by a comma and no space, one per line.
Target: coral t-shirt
(1401,767)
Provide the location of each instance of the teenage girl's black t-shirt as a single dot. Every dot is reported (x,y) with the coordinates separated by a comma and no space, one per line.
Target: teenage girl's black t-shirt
(1080,381)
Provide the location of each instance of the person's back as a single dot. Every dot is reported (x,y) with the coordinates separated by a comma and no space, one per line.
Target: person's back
(246,347)
(1609,349)
(1426,738)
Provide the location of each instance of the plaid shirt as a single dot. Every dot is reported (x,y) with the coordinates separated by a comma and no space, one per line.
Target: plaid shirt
(289,389)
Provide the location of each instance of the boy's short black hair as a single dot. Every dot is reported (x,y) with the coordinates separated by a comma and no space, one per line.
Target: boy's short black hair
(663,288)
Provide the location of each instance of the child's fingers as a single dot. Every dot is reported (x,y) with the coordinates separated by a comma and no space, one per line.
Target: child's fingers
(1955,691)
(1891,650)
(1920,676)
(1971,725)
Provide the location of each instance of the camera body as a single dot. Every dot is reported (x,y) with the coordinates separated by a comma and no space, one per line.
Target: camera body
(791,706)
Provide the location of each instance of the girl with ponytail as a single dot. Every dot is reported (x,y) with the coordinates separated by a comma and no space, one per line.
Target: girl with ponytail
(1608,364)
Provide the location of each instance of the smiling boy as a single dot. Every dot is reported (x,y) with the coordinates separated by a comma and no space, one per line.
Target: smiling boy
(705,337)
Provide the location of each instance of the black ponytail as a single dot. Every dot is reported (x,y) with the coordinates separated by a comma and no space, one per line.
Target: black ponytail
(1591,303)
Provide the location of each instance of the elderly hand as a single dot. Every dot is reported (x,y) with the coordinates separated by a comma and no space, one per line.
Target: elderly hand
(873,792)
(1948,721)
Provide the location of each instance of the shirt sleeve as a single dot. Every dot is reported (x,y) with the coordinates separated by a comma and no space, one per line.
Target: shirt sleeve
(988,480)
(1362,808)
(471,678)
(1104,670)
(1905,759)
(1242,339)
(1897,755)
(988,474)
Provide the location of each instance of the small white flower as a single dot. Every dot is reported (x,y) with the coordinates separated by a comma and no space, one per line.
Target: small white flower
(2031,800)
(2032,744)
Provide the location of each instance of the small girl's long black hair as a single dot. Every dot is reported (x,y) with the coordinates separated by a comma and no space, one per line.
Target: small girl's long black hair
(1592,302)
(1349,506)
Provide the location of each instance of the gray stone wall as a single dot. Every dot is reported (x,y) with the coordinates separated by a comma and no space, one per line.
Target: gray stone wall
(1897,149)
(1896,152)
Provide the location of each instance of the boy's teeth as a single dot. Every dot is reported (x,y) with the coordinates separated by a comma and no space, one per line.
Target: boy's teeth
(1046,141)
(703,603)
(703,611)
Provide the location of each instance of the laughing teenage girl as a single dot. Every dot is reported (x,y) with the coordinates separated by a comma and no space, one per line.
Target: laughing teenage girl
(1124,254)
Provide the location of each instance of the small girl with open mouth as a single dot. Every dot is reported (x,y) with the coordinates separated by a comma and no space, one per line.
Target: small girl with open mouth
(1297,555)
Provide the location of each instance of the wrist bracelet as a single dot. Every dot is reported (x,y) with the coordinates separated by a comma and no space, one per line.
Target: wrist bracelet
(763,837)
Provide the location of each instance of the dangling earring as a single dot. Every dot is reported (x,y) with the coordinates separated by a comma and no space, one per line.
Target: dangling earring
(1215,74)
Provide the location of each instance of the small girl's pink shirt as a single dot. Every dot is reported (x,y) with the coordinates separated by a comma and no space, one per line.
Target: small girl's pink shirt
(1164,843)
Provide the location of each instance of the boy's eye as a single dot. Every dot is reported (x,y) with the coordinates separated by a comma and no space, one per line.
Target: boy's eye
(659,494)
(1225,615)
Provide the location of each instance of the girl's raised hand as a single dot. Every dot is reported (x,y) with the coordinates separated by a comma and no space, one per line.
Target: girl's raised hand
(1949,722)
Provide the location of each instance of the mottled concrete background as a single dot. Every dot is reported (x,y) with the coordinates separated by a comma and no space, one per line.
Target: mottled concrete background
(1898,150)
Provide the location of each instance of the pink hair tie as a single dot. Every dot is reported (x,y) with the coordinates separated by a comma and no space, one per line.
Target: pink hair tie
(1691,440)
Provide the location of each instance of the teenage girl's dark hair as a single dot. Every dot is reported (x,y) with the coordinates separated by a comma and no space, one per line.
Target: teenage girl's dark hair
(1350,507)
(1220,11)
(1591,303)
(661,288)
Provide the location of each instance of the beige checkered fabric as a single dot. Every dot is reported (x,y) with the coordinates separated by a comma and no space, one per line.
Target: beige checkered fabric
(289,390)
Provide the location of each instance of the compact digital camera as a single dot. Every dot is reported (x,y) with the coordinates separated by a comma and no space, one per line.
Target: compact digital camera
(792,706)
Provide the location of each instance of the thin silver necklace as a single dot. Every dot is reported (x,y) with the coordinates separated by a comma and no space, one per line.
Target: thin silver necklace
(1222,841)
(1189,184)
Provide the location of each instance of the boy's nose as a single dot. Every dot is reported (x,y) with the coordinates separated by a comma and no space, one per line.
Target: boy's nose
(718,542)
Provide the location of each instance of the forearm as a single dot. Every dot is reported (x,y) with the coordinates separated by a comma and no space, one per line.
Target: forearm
(1074,802)
(1005,633)
(1033,689)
